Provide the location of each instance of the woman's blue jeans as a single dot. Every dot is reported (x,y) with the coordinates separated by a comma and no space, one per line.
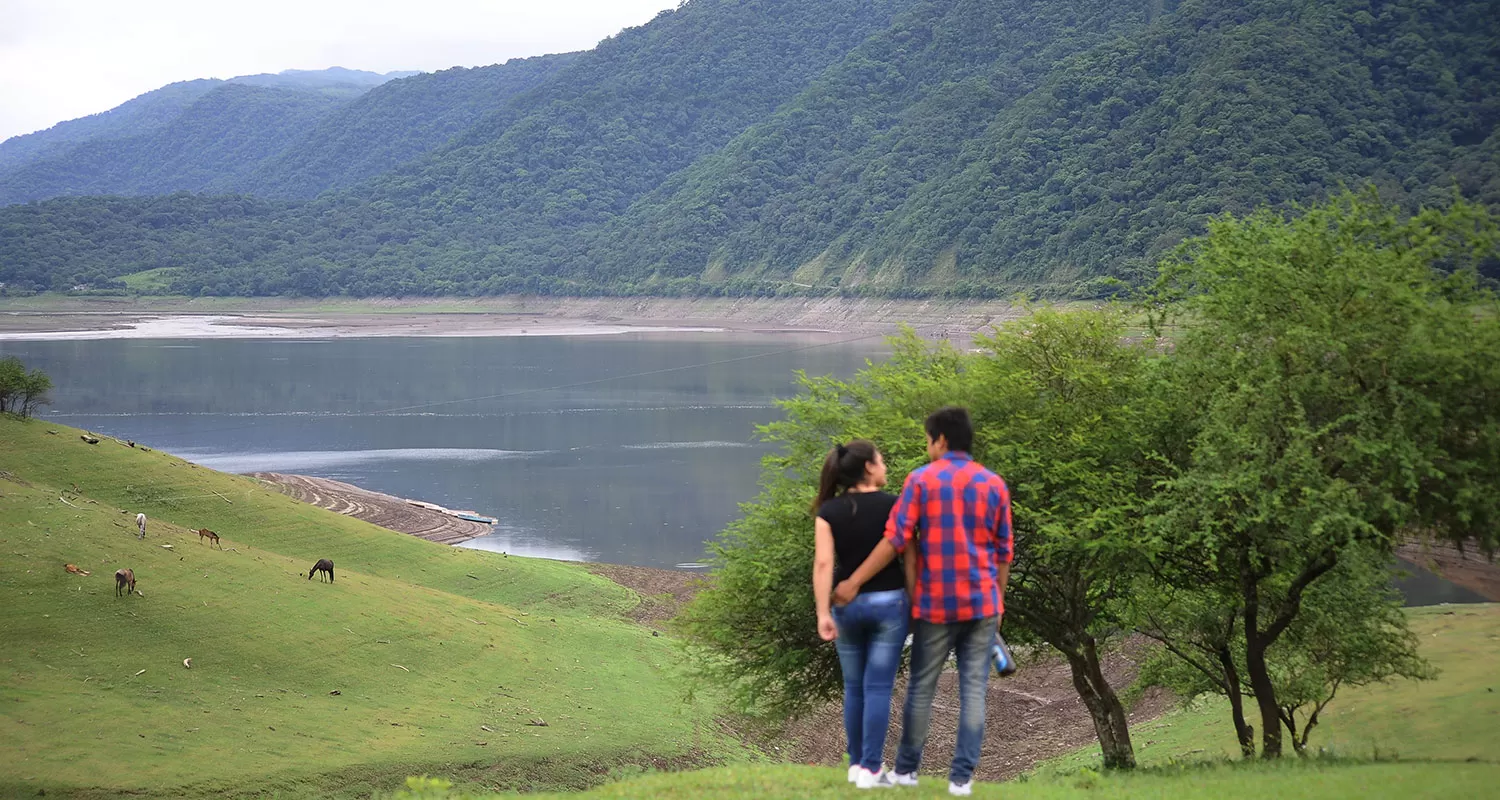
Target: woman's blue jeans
(872,630)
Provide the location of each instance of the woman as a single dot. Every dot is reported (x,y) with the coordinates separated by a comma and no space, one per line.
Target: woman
(870,631)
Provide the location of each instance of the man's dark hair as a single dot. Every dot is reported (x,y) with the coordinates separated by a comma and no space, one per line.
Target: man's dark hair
(952,423)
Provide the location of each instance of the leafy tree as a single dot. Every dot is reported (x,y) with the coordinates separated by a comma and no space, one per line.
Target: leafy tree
(1345,364)
(1063,407)
(1351,631)
(22,392)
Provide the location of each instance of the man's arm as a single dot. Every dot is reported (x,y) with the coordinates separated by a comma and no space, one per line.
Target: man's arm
(1004,544)
(898,530)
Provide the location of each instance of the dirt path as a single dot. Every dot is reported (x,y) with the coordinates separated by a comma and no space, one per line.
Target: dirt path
(384,510)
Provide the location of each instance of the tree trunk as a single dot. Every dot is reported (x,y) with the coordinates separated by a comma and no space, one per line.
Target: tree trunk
(1255,664)
(1243,731)
(1104,706)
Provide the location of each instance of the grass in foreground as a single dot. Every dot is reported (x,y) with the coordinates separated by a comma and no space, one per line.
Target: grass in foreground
(1289,781)
(420,658)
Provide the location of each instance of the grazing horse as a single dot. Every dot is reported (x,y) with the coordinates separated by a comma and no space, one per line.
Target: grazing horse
(124,579)
(213,538)
(140,523)
(323,565)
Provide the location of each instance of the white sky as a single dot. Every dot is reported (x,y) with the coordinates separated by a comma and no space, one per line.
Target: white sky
(63,59)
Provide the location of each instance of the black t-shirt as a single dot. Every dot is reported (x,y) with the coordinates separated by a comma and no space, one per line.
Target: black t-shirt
(858,522)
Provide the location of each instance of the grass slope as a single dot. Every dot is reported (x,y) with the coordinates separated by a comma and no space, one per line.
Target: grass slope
(480,640)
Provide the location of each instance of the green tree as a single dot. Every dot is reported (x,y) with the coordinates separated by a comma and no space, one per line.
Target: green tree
(1066,411)
(1351,631)
(1345,368)
(1063,409)
(22,392)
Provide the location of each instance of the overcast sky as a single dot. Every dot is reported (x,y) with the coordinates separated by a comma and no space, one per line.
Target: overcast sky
(63,59)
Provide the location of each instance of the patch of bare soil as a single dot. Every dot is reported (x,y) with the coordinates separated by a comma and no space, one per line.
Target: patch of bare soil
(384,510)
(663,591)
(1466,567)
(1030,717)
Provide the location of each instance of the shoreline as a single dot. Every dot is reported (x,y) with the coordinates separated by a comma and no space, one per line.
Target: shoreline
(55,318)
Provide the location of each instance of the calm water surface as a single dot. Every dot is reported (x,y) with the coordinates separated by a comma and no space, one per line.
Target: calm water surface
(631,449)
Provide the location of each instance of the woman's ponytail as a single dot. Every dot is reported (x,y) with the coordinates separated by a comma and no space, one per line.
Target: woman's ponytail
(843,467)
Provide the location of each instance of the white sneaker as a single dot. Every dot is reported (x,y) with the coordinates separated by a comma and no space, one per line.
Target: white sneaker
(853,772)
(873,780)
(961,789)
(904,778)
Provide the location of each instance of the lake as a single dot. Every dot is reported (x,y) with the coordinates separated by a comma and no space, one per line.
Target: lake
(632,449)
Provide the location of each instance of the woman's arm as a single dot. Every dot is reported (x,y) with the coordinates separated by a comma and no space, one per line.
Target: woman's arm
(822,578)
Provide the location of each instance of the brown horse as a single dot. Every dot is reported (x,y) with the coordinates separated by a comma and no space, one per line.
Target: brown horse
(213,538)
(323,565)
(124,579)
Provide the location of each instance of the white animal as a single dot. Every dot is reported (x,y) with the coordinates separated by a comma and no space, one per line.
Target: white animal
(140,523)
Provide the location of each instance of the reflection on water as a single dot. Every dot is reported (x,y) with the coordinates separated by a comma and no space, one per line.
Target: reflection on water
(633,449)
(1421,587)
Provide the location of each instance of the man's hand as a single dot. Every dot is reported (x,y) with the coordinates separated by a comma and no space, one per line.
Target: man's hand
(845,592)
(827,630)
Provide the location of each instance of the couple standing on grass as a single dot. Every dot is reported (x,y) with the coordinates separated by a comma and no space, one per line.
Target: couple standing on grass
(952,525)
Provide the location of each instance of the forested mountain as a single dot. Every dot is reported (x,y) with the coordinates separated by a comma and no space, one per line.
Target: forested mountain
(395,123)
(334,80)
(144,113)
(895,147)
(216,141)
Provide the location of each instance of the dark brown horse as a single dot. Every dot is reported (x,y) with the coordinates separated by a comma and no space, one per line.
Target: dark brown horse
(124,579)
(323,565)
(213,538)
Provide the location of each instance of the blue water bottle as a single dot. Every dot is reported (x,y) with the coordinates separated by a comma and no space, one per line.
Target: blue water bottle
(1005,663)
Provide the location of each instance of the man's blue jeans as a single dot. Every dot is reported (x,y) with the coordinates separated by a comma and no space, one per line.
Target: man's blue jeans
(931,644)
(872,630)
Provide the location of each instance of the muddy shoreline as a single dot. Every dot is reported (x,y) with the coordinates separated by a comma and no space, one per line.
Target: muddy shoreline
(98,318)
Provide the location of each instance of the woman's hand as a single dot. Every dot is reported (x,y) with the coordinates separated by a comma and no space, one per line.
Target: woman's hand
(827,630)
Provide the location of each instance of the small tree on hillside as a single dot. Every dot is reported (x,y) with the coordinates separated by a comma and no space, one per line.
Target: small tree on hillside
(22,392)
(1345,368)
(1351,632)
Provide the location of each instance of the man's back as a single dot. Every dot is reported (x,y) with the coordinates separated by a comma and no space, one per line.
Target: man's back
(963,513)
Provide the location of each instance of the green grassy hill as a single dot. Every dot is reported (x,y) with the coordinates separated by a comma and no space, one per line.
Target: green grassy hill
(439,656)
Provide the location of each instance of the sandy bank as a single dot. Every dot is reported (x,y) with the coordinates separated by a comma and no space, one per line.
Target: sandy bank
(384,510)
(107,318)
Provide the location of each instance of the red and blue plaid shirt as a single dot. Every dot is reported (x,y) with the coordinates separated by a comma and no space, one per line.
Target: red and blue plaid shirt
(963,511)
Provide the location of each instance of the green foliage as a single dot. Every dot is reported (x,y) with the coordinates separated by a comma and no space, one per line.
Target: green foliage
(1063,407)
(1341,369)
(211,146)
(22,392)
(1350,632)
(917,148)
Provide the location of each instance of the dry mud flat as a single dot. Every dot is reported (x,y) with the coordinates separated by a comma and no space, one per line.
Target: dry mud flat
(384,510)
(282,318)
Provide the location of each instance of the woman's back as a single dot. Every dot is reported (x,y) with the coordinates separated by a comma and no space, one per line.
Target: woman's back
(857,520)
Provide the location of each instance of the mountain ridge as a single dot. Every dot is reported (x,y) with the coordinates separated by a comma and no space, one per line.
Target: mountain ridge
(904,148)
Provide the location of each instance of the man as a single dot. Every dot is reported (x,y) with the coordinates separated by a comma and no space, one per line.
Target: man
(962,562)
